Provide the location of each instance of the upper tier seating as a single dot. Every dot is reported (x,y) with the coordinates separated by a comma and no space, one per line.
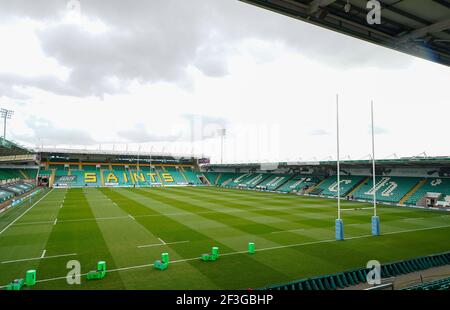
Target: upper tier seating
(10,174)
(13,175)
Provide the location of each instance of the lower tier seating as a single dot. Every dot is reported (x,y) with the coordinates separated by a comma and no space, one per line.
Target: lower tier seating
(297,183)
(388,189)
(438,285)
(347,182)
(431,185)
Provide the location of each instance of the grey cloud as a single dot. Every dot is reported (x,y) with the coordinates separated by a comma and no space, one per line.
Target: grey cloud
(198,127)
(75,86)
(40,10)
(151,41)
(140,134)
(50,134)
(8,89)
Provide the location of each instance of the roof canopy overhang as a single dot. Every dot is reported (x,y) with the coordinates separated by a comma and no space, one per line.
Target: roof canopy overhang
(419,28)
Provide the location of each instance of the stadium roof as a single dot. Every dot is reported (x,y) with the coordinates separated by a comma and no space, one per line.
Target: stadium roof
(114,153)
(407,161)
(10,148)
(419,28)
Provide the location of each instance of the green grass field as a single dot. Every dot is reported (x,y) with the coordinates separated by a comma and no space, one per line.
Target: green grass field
(130,228)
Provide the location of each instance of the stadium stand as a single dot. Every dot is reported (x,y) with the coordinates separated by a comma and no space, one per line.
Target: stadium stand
(298,183)
(14,175)
(212,177)
(11,148)
(438,285)
(241,180)
(122,175)
(15,188)
(431,185)
(273,181)
(356,276)
(193,177)
(257,179)
(173,176)
(4,195)
(388,189)
(116,177)
(347,183)
(227,178)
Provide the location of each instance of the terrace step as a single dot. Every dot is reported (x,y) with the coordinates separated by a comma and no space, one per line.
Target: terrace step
(412,191)
(358,186)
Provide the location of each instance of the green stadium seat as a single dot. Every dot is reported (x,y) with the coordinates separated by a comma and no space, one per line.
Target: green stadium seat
(329,186)
(431,185)
(390,189)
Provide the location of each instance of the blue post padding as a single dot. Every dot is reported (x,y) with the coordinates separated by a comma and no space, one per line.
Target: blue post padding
(339,229)
(375,226)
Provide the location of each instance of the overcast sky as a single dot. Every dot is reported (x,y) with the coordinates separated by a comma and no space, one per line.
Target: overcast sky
(166,74)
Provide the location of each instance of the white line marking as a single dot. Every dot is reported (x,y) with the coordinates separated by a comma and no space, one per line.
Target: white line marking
(56,220)
(357,209)
(25,212)
(161,240)
(283,231)
(159,244)
(75,220)
(43,254)
(37,258)
(242,252)
(131,217)
(413,230)
(33,223)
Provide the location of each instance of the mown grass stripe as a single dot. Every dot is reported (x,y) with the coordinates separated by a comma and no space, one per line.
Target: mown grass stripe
(197,241)
(86,240)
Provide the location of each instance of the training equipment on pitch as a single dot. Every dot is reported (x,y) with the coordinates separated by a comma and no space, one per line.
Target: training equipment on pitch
(30,277)
(98,274)
(18,284)
(211,257)
(15,285)
(251,248)
(163,263)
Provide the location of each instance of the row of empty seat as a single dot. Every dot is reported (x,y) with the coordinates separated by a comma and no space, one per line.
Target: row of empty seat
(92,176)
(12,175)
(357,276)
(14,182)
(387,189)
